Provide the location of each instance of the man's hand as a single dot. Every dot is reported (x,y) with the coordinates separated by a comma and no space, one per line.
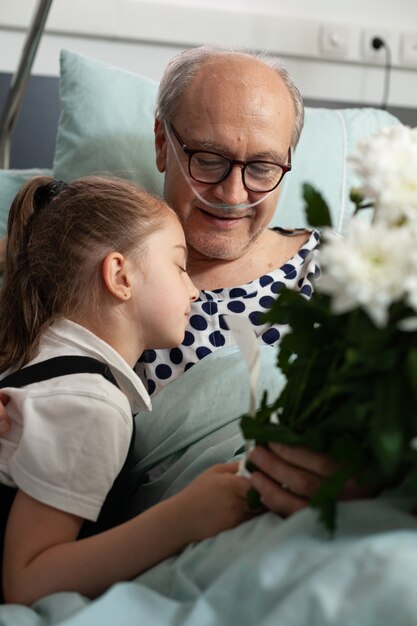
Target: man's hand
(5,422)
(289,476)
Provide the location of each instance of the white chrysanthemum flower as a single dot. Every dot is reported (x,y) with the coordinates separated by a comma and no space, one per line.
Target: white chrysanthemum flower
(366,268)
(386,163)
(408,324)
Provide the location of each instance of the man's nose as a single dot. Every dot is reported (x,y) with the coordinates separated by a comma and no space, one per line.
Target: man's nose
(231,190)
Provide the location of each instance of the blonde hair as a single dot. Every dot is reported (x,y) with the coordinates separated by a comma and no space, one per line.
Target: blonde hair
(58,235)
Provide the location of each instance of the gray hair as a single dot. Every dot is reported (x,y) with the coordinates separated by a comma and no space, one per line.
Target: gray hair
(182,68)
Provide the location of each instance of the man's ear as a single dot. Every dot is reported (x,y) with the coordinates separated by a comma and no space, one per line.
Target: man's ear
(116,276)
(160,145)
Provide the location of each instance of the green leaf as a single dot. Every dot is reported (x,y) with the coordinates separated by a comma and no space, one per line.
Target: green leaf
(409,486)
(346,450)
(411,369)
(386,423)
(317,211)
(263,433)
(325,498)
(292,308)
(254,499)
(264,411)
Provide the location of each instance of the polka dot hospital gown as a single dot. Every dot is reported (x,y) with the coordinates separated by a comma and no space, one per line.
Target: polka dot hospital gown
(207,330)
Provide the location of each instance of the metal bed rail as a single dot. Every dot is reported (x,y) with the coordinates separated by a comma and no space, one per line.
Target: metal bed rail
(19,80)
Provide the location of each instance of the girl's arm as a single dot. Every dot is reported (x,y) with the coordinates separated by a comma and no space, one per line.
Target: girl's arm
(42,555)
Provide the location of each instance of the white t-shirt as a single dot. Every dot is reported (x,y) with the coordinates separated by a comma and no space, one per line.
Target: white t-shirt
(70,435)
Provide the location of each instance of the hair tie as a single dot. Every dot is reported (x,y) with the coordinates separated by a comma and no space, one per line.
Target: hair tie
(46,193)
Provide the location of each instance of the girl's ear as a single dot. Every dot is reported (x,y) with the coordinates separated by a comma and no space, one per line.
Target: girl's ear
(160,145)
(116,276)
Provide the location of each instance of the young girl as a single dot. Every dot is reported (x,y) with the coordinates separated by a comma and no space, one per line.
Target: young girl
(95,274)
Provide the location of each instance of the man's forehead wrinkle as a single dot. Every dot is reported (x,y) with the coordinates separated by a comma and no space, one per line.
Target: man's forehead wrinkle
(252,120)
(251,103)
(215,111)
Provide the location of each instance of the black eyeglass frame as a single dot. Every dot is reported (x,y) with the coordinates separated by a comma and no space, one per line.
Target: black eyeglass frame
(232,162)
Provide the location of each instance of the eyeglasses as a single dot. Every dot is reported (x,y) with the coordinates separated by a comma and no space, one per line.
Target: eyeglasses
(211,168)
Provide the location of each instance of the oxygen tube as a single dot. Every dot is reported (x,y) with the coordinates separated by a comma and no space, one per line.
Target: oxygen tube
(213,205)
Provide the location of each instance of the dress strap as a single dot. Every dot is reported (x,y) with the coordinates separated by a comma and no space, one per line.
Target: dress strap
(55,367)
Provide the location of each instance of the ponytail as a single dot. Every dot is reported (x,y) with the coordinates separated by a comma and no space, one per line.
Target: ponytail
(58,235)
(23,315)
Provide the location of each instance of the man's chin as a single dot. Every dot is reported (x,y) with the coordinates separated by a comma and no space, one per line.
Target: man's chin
(217,250)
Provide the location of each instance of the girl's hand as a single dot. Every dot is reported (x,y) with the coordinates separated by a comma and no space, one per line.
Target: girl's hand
(215,501)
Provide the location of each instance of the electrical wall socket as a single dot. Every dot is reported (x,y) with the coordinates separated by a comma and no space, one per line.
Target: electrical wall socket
(409,49)
(334,40)
(369,52)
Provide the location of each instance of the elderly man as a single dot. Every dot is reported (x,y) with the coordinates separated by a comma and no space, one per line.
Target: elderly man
(226,123)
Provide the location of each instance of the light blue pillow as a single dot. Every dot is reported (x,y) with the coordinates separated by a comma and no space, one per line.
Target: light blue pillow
(10,183)
(106,126)
(106,123)
(328,137)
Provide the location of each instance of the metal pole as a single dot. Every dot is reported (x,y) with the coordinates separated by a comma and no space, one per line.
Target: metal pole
(19,80)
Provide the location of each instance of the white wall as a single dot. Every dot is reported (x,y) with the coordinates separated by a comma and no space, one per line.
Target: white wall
(143,35)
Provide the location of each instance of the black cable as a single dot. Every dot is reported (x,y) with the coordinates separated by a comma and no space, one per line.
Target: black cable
(377,43)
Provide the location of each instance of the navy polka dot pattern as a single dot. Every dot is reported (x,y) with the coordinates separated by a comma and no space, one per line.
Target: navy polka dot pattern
(176,356)
(256,318)
(236,306)
(202,352)
(217,339)
(306,290)
(149,356)
(266,280)
(222,323)
(271,336)
(238,292)
(188,339)
(289,270)
(266,302)
(198,322)
(278,286)
(209,307)
(151,386)
(208,331)
(163,371)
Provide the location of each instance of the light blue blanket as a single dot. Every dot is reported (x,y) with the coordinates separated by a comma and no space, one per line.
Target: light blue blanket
(194,422)
(266,572)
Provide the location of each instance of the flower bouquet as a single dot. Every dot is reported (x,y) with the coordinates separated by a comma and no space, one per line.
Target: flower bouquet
(350,358)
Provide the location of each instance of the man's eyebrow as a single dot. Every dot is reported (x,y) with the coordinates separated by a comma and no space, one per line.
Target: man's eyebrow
(266,155)
(269,156)
(212,145)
